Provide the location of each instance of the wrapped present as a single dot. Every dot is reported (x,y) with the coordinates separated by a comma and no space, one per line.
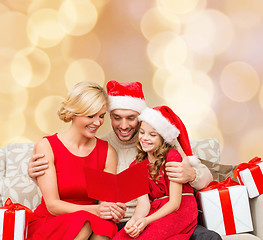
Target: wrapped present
(14,218)
(225,207)
(251,175)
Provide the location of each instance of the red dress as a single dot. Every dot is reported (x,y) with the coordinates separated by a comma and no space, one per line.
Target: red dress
(72,188)
(178,225)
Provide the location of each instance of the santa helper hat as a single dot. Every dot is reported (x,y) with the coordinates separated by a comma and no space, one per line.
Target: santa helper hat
(171,128)
(125,96)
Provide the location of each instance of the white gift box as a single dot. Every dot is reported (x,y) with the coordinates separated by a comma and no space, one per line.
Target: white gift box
(212,210)
(249,181)
(19,227)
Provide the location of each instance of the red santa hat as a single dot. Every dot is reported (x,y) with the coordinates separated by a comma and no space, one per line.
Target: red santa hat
(125,96)
(170,127)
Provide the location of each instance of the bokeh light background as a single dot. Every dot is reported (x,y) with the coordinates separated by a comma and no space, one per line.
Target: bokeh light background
(203,58)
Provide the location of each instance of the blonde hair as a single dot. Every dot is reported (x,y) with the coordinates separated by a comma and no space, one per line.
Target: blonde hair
(84,99)
(160,156)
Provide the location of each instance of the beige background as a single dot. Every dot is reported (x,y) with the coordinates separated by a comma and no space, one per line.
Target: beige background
(202,58)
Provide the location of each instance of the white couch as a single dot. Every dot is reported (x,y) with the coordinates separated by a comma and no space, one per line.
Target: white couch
(15,183)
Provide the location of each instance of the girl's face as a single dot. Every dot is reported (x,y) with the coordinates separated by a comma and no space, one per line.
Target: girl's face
(89,125)
(149,138)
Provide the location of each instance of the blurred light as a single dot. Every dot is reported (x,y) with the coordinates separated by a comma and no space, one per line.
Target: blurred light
(204,32)
(189,100)
(251,144)
(7,82)
(46,115)
(11,127)
(239,81)
(199,62)
(85,46)
(13,104)
(153,23)
(204,81)
(160,79)
(233,116)
(261,97)
(165,82)
(175,53)
(77,16)
(3,9)
(13,31)
(17,139)
(230,155)
(30,67)
(245,13)
(177,6)
(207,128)
(36,5)
(157,48)
(138,8)
(18,6)
(99,4)
(84,70)
(43,28)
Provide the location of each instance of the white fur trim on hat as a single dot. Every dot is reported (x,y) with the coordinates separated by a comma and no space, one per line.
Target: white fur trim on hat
(126,102)
(168,131)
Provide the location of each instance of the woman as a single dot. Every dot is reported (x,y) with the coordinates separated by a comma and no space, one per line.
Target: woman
(169,211)
(66,211)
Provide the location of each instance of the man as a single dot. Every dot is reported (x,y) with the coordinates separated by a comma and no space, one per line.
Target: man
(126,103)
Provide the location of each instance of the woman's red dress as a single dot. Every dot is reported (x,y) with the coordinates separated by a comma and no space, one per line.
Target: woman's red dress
(71,182)
(178,225)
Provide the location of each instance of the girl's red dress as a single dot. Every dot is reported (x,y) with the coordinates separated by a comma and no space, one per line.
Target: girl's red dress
(71,182)
(178,225)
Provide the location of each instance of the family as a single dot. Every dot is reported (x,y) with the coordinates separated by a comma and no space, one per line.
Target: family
(155,135)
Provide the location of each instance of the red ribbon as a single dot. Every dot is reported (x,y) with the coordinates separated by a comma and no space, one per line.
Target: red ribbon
(225,200)
(9,218)
(255,170)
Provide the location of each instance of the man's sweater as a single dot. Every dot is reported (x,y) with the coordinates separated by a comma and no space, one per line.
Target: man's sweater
(126,153)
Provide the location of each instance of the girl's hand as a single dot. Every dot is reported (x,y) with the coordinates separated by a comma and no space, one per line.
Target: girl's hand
(131,229)
(141,224)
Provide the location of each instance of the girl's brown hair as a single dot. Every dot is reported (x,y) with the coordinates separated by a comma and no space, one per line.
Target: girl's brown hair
(156,169)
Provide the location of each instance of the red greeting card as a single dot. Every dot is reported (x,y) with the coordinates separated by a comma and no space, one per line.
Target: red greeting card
(123,187)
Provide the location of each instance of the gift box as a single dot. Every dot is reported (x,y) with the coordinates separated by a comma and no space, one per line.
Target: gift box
(251,175)
(14,218)
(225,207)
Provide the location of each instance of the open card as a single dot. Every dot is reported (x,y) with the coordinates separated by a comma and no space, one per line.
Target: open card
(123,187)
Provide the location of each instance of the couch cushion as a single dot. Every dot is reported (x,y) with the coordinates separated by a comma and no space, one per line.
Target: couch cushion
(220,171)
(21,189)
(206,149)
(17,157)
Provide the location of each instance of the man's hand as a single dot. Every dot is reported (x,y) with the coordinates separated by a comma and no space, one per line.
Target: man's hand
(118,211)
(180,172)
(37,167)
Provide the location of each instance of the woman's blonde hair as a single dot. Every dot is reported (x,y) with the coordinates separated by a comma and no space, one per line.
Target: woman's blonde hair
(156,169)
(84,99)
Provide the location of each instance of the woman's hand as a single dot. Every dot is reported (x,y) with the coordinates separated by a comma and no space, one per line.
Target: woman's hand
(118,211)
(112,211)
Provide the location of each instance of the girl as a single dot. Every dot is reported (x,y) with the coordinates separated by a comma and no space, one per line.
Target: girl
(66,212)
(169,211)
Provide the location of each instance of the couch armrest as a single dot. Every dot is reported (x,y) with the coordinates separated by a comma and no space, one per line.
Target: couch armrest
(256,205)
